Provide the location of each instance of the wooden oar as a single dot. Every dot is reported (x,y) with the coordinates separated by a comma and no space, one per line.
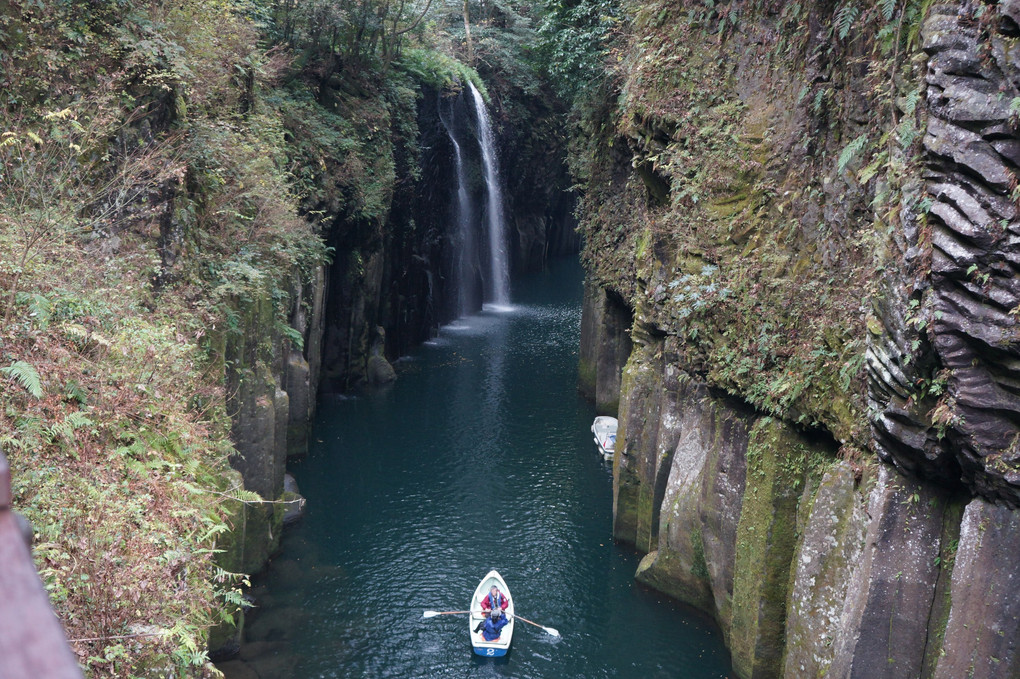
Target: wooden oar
(432,614)
(549,630)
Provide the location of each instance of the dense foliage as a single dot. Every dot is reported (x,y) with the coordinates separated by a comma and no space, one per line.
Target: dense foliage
(142,192)
(575,40)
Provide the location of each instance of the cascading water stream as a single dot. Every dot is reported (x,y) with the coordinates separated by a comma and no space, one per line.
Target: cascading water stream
(499,283)
(466,250)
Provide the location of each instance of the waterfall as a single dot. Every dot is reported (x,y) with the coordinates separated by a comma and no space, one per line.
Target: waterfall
(466,248)
(498,291)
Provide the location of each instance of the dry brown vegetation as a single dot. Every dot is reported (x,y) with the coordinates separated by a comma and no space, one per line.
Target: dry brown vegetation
(125,229)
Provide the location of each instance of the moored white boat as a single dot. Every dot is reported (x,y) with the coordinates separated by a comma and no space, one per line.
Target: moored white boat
(604,429)
(498,647)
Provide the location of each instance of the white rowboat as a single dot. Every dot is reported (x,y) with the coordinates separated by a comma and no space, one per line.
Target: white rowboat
(497,647)
(604,429)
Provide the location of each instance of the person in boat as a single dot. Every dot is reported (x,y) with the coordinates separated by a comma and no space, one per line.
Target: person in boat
(493,624)
(494,599)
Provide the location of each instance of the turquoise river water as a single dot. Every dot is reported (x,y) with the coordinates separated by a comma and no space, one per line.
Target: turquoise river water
(478,457)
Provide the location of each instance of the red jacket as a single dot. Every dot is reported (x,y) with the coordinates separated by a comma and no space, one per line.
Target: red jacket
(487,602)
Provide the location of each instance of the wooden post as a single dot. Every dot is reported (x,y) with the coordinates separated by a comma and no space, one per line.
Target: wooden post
(32,642)
(5,483)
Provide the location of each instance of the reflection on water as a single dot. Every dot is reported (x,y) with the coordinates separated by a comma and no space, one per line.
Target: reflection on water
(478,457)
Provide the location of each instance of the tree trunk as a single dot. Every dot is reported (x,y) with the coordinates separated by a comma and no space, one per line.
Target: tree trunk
(467,33)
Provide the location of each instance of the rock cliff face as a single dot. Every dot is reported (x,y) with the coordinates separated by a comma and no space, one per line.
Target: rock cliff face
(389,286)
(271,387)
(605,346)
(964,291)
(818,415)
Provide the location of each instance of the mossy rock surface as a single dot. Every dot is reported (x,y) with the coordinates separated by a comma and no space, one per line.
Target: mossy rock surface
(892,591)
(831,525)
(776,473)
(635,459)
(255,534)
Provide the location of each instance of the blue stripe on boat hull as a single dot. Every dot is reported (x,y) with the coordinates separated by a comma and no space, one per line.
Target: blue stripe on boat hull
(490,652)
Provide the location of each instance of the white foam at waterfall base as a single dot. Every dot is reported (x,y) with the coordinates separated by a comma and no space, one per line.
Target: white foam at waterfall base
(499,308)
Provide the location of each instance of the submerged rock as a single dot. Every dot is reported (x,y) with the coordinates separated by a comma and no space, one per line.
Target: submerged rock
(237,669)
(379,371)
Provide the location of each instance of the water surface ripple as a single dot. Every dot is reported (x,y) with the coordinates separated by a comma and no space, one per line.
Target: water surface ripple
(478,457)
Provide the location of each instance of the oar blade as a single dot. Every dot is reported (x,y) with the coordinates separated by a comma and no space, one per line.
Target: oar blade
(430,614)
(548,630)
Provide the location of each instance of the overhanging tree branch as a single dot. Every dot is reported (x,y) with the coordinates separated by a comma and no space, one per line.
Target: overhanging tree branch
(416,21)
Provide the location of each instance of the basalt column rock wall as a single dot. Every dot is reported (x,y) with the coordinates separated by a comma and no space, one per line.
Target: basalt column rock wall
(540,204)
(811,564)
(819,415)
(605,346)
(390,281)
(271,387)
(956,333)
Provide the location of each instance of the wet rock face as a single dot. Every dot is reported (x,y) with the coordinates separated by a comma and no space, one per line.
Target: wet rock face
(957,330)
(702,502)
(983,631)
(891,584)
(605,346)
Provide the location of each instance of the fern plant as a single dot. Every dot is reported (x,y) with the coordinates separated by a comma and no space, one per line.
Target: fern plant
(64,431)
(850,151)
(39,306)
(25,375)
(887,7)
(845,18)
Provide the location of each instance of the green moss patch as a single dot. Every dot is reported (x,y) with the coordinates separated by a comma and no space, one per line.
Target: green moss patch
(778,462)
